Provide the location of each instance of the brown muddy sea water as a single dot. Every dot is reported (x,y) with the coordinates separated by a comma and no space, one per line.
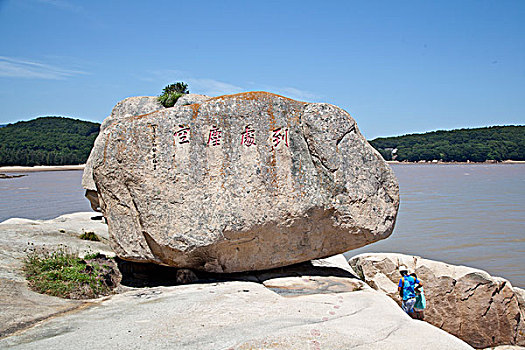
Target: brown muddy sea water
(466,214)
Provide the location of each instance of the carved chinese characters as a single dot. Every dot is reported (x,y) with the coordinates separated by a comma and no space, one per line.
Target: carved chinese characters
(214,136)
(248,136)
(182,135)
(279,137)
(154,160)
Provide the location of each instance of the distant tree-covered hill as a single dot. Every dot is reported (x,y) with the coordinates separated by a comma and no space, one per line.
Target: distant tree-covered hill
(47,141)
(64,141)
(476,145)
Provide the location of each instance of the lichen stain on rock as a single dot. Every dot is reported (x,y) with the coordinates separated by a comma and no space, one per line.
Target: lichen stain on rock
(142,115)
(195,107)
(253,96)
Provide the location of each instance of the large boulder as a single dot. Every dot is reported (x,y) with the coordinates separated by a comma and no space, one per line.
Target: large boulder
(241,182)
(482,310)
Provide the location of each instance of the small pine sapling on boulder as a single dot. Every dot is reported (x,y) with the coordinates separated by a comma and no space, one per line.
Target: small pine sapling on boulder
(172,92)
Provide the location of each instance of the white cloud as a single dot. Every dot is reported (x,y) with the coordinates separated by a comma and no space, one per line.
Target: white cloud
(16,68)
(287,91)
(205,86)
(212,87)
(296,94)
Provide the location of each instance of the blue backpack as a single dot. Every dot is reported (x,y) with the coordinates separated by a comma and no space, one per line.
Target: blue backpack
(421,302)
(403,285)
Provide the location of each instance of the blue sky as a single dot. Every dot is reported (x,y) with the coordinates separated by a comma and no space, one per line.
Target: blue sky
(397,66)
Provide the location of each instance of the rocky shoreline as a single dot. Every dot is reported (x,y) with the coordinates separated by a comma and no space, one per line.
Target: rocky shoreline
(5,176)
(469,303)
(24,169)
(321,304)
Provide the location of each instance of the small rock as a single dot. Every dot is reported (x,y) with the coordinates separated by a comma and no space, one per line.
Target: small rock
(186,276)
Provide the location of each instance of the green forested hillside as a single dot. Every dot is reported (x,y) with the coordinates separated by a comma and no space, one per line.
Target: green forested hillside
(477,145)
(64,141)
(47,141)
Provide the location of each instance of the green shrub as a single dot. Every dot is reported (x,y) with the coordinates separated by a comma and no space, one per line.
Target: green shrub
(168,100)
(172,92)
(179,88)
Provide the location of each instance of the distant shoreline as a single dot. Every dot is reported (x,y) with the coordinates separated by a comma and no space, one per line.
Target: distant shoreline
(26,169)
(456,163)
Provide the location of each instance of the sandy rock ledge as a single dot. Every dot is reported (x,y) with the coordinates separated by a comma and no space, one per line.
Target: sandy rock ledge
(317,305)
(20,307)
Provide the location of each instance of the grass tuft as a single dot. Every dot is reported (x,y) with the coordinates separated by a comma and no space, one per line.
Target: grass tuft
(65,275)
(89,236)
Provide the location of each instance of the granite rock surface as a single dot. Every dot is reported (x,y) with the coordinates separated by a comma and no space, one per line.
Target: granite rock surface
(240,315)
(240,182)
(482,310)
(313,305)
(19,305)
(189,99)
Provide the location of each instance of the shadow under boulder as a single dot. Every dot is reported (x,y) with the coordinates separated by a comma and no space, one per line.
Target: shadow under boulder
(331,275)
